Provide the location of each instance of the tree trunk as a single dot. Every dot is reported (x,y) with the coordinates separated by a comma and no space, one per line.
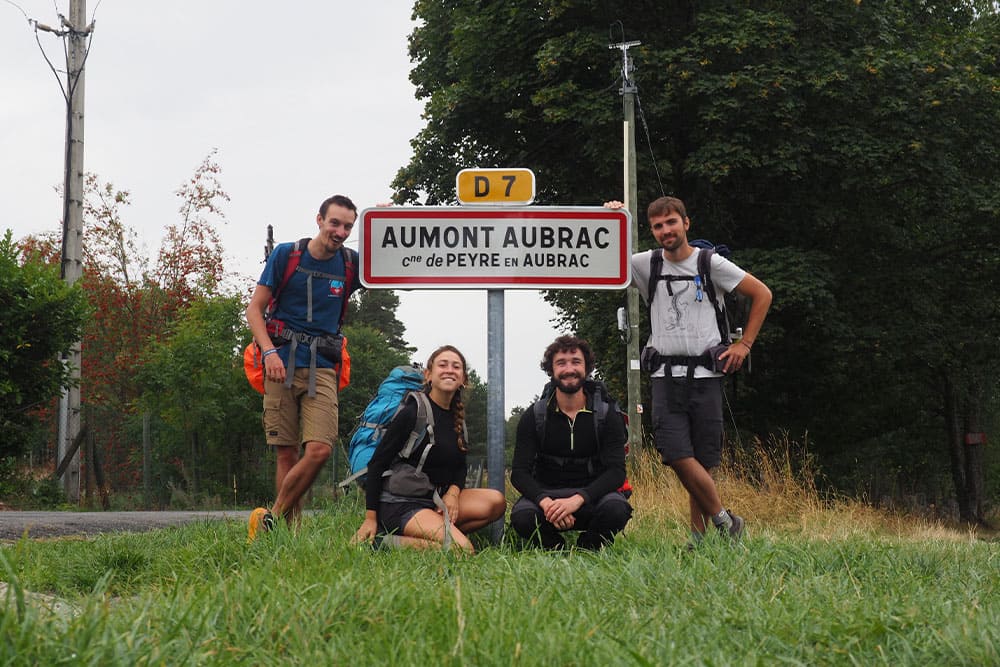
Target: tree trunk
(195,463)
(974,455)
(954,435)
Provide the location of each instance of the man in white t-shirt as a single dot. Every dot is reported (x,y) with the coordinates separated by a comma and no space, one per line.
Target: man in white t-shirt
(686,372)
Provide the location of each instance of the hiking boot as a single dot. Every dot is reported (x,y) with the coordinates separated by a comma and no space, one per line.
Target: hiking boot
(736,529)
(261,521)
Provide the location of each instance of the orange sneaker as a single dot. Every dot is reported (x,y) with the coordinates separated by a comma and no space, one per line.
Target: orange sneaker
(261,521)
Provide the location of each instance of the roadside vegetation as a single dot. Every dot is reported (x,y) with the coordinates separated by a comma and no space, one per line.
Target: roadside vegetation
(819,581)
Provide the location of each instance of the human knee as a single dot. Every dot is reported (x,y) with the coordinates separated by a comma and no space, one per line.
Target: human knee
(287,455)
(318,452)
(525,522)
(614,514)
(495,503)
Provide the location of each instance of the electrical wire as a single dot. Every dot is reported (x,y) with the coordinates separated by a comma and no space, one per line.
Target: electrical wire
(14,4)
(649,143)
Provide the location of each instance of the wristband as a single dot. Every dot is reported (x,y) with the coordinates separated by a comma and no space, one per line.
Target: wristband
(744,344)
(273,350)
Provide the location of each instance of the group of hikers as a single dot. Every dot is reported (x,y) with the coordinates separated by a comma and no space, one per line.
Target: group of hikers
(569,455)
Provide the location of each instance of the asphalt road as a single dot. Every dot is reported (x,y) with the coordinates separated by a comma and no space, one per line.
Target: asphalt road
(14,525)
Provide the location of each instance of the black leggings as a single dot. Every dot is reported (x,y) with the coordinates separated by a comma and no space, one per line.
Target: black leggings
(599,521)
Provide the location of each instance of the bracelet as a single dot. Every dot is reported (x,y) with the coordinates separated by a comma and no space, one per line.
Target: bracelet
(273,350)
(744,344)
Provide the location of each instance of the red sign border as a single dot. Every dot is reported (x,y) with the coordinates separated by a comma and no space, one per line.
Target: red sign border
(498,282)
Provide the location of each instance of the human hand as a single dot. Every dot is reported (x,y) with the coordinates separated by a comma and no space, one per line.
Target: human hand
(614,204)
(366,533)
(451,502)
(274,368)
(735,356)
(559,510)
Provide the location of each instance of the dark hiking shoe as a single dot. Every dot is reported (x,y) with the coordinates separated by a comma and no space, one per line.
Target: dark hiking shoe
(736,528)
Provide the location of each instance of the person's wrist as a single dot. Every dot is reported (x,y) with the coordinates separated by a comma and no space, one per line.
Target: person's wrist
(745,344)
(268,353)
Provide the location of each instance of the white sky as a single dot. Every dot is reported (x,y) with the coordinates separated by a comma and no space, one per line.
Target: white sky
(301,104)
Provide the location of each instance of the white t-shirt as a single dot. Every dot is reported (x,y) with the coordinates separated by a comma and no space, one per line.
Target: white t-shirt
(682,325)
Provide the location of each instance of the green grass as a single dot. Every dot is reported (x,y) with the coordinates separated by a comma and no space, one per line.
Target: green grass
(201,595)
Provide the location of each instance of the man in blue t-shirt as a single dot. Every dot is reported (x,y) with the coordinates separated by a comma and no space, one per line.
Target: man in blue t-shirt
(300,347)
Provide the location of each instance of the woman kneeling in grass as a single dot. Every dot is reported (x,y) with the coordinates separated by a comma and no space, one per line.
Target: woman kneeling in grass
(412,516)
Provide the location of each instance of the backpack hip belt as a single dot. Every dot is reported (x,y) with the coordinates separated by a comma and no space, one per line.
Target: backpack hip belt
(328,346)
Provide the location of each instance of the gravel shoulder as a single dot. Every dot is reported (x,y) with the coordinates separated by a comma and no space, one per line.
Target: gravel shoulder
(40,525)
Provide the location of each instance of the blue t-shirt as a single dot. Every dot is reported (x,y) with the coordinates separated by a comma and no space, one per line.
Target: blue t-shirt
(293,305)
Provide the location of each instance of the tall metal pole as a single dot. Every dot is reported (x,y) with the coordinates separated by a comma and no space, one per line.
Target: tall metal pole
(72,256)
(628,92)
(495,399)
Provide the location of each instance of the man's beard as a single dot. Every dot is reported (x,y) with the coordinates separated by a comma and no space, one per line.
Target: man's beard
(570,389)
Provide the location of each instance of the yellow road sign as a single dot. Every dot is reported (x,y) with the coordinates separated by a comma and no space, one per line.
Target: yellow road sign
(513,187)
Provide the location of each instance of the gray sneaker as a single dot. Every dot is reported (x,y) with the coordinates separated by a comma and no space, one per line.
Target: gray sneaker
(736,529)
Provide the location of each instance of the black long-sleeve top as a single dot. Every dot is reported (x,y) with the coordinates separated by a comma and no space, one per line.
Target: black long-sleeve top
(445,464)
(568,447)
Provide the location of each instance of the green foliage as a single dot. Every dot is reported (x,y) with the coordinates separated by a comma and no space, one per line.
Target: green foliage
(838,148)
(376,308)
(42,317)
(206,414)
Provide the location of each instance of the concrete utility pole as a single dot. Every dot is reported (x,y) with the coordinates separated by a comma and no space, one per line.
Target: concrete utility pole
(76,31)
(628,93)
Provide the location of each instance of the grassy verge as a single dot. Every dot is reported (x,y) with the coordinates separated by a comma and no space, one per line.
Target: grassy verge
(816,583)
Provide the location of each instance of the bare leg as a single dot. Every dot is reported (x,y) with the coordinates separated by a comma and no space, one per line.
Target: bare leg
(288,456)
(299,478)
(429,525)
(697,518)
(478,508)
(699,484)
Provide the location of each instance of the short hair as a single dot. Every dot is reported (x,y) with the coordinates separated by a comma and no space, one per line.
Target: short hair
(666,206)
(567,344)
(339,200)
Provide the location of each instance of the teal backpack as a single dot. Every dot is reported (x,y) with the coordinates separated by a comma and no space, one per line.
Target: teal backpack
(401,382)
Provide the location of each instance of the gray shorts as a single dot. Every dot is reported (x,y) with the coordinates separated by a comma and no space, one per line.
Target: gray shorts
(687,419)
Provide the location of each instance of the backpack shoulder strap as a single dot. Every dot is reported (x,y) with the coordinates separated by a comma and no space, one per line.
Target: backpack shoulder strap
(350,271)
(423,424)
(600,406)
(540,410)
(294,257)
(705,271)
(655,267)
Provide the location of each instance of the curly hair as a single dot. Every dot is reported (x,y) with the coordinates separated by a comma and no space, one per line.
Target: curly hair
(457,406)
(567,344)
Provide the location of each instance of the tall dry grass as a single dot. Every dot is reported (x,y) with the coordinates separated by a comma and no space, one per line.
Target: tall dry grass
(772,485)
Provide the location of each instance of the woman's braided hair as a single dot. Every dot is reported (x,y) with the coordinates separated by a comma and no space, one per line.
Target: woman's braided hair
(457,406)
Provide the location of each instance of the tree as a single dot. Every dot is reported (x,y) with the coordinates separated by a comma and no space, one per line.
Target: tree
(376,308)
(208,436)
(825,142)
(42,317)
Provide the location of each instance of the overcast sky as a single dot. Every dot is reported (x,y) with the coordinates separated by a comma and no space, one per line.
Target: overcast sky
(300,103)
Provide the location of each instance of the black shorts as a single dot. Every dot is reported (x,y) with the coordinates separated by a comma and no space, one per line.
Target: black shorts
(393,516)
(687,419)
